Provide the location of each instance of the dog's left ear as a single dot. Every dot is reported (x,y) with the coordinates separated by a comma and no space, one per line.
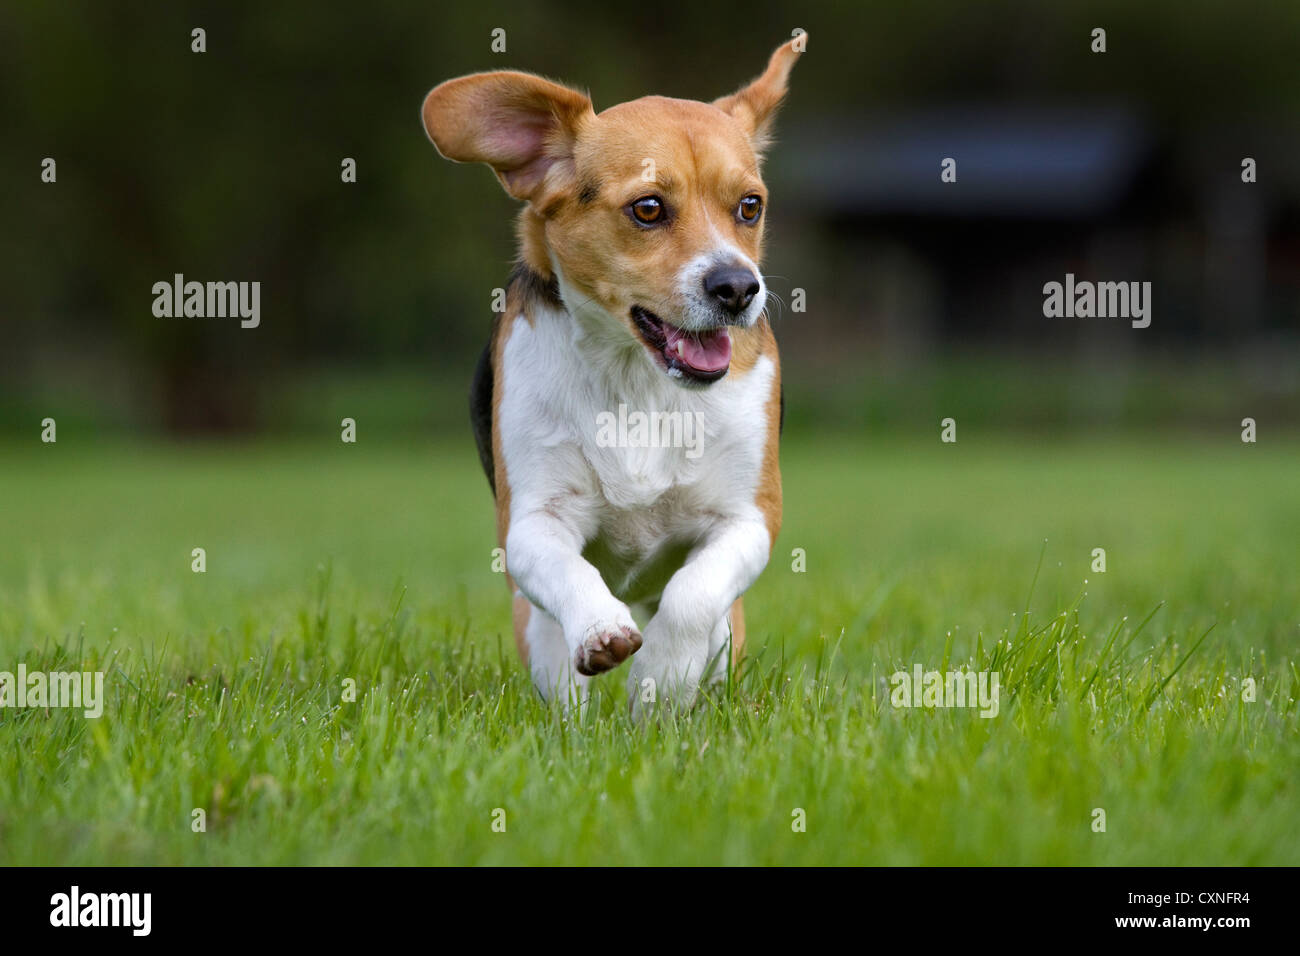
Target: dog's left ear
(755,105)
(521,125)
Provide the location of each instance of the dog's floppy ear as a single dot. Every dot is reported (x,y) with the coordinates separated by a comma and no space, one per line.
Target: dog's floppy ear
(755,105)
(521,125)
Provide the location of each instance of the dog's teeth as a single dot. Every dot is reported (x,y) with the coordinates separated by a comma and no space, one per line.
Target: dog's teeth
(681,345)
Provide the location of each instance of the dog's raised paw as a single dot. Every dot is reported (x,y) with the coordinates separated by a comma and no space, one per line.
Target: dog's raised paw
(605,646)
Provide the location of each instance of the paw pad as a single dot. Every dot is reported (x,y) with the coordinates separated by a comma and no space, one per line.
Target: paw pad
(605,647)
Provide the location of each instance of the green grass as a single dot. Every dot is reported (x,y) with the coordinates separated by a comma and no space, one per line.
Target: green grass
(372,562)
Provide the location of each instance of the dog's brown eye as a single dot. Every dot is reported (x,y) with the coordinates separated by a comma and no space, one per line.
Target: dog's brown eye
(750,207)
(648,210)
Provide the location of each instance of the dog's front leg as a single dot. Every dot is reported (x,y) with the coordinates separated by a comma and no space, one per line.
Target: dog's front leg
(544,556)
(694,604)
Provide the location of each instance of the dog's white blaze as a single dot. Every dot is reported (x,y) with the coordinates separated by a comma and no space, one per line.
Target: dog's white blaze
(699,311)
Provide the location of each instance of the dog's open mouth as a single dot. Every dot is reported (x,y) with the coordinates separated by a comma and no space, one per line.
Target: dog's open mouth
(699,357)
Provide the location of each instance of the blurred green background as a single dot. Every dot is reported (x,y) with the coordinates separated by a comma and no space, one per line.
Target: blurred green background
(923,299)
(328,560)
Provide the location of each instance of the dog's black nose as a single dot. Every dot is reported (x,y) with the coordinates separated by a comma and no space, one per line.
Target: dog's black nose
(732,287)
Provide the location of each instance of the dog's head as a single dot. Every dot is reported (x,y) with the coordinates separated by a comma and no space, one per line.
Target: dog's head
(649,214)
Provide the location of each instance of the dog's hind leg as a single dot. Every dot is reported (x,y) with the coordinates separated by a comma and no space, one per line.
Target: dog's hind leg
(737,619)
(726,642)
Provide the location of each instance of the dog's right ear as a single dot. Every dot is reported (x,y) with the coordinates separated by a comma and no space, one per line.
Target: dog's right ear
(521,125)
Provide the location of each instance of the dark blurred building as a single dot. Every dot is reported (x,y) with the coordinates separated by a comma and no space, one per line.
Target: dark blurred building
(1040,193)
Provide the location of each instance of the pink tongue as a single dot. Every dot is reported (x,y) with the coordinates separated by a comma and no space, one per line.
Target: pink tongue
(702,351)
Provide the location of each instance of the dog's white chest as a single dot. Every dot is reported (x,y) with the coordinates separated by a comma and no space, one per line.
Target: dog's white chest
(638,467)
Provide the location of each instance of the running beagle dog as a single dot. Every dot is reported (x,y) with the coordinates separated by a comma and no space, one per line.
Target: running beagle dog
(638,299)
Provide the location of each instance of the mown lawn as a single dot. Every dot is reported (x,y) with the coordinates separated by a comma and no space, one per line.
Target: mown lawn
(371,563)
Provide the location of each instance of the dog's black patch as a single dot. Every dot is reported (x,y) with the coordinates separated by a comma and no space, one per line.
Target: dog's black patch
(532,286)
(480,414)
(588,192)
